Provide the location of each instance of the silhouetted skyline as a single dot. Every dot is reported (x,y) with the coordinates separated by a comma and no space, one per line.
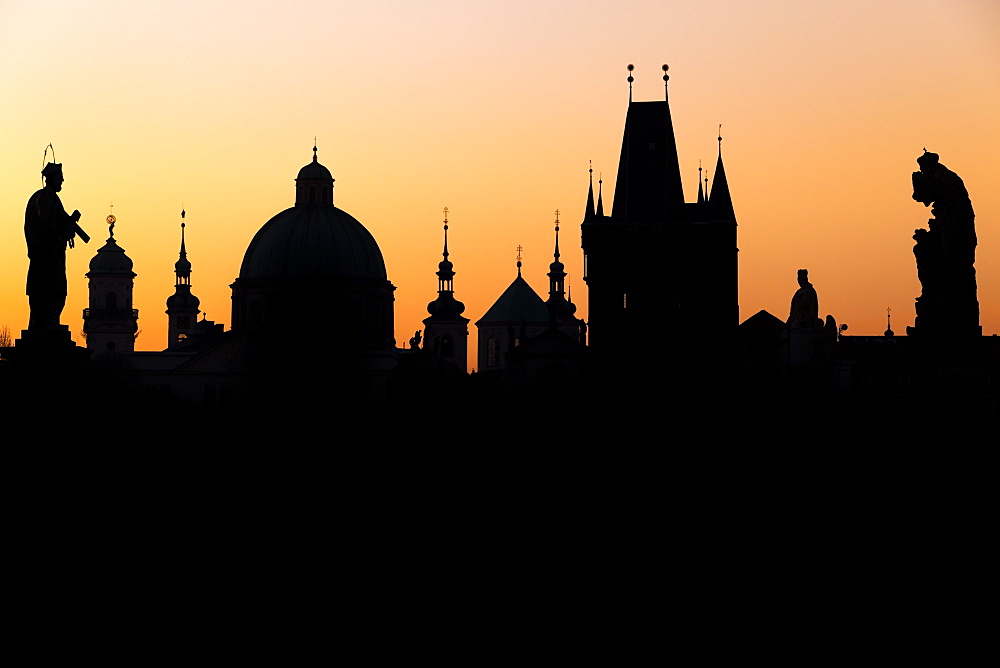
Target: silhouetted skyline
(822,115)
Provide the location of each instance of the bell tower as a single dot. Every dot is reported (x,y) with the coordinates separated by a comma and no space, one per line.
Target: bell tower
(182,306)
(446,331)
(110,323)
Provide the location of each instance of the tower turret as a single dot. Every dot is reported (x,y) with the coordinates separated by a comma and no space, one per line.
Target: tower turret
(110,323)
(446,331)
(182,306)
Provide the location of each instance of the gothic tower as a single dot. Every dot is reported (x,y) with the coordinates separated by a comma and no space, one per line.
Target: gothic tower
(182,306)
(446,331)
(110,323)
(658,265)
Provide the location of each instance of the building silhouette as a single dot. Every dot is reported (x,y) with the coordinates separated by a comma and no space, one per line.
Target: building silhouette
(110,323)
(182,306)
(446,330)
(313,323)
(657,265)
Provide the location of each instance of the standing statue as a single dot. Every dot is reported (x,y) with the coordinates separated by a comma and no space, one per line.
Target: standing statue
(804,312)
(945,253)
(48,230)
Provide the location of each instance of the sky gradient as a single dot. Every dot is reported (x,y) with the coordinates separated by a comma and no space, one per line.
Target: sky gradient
(494,110)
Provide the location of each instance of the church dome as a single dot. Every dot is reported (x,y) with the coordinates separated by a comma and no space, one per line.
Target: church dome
(319,264)
(319,241)
(314,238)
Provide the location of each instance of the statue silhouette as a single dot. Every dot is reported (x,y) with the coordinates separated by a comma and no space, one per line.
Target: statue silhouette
(946,252)
(48,230)
(804,311)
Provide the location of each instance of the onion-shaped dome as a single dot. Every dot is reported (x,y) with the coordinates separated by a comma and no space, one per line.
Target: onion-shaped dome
(183,300)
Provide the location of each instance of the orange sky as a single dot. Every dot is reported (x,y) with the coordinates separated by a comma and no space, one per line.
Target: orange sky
(493,110)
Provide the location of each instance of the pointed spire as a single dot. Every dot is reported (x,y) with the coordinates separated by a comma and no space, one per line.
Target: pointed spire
(445,272)
(666,79)
(721,201)
(557,236)
(600,198)
(588,214)
(519,249)
(182,268)
(559,308)
(630,80)
(183,250)
(701,192)
(182,306)
(557,270)
(315,150)
(445,307)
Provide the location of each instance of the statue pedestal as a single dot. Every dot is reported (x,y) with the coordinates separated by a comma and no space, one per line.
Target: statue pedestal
(48,348)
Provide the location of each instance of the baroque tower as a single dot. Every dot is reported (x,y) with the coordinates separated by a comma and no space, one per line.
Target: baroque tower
(446,331)
(110,323)
(182,306)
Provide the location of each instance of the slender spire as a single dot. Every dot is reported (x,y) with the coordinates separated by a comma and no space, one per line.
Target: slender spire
(701,192)
(600,198)
(557,270)
(559,308)
(519,249)
(182,306)
(557,236)
(182,268)
(666,79)
(315,150)
(445,273)
(183,250)
(445,307)
(588,214)
(630,80)
(721,200)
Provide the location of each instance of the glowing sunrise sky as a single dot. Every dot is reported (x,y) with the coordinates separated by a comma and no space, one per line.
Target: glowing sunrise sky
(494,109)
